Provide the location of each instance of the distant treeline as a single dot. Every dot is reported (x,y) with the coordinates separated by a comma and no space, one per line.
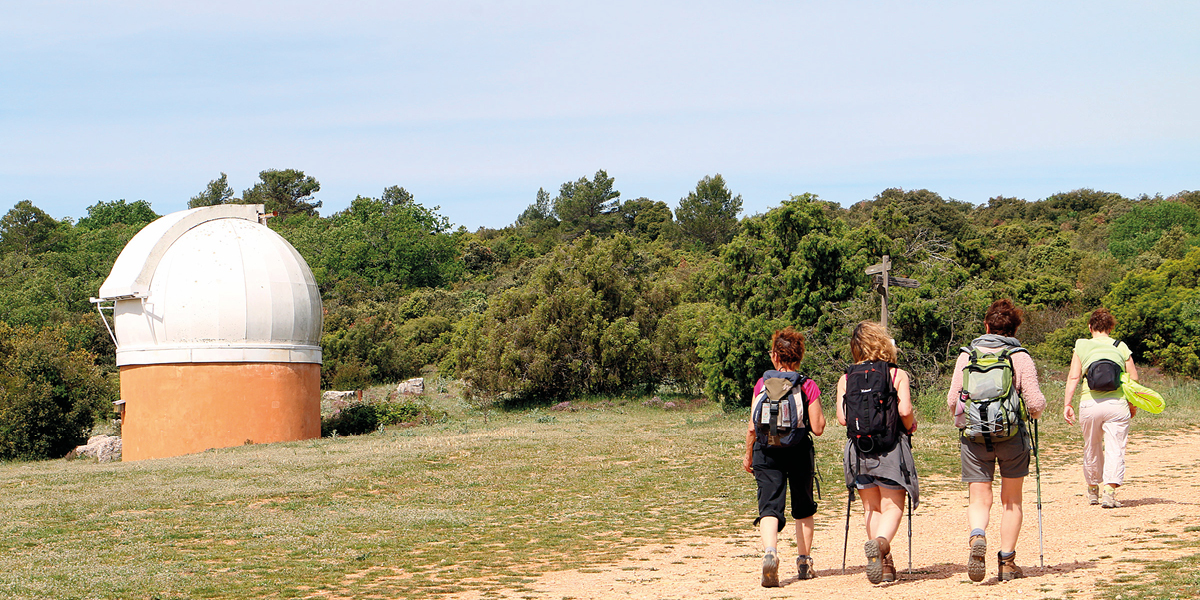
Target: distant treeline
(586,293)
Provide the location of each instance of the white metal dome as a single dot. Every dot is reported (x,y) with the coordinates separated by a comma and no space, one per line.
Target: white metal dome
(213,284)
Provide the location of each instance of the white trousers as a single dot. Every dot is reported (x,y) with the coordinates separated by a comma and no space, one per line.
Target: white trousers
(1105,432)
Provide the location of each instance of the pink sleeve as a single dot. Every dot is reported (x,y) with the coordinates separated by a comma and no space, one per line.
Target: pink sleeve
(1027,383)
(956,381)
(811,391)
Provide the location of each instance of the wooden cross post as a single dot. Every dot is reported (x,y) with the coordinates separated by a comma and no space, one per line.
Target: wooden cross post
(881,277)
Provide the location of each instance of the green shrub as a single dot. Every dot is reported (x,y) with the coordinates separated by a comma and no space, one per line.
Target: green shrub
(582,324)
(1158,314)
(357,418)
(1140,229)
(50,395)
(787,267)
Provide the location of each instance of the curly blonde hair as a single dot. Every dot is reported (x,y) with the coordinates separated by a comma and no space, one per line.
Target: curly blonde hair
(870,341)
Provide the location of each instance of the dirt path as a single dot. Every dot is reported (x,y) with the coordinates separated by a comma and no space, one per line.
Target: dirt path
(1082,544)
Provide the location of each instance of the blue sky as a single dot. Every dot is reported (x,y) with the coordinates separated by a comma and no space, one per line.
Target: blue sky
(472,106)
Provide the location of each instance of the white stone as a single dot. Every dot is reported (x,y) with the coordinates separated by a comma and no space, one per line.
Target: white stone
(103,448)
(413,386)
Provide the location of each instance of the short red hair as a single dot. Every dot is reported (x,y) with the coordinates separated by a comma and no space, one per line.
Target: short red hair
(1102,321)
(788,346)
(1003,318)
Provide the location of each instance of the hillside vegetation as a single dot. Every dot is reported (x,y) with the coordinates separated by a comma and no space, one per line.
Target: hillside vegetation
(587,293)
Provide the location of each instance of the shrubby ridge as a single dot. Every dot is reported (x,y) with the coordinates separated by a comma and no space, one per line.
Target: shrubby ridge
(587,293)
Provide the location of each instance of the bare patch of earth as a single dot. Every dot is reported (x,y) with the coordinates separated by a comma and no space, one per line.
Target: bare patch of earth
(1082,544)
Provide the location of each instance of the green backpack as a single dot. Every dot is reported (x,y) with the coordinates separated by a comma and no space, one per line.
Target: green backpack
(994,410)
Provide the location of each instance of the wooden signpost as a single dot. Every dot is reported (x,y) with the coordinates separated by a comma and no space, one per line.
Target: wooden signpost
(882,279)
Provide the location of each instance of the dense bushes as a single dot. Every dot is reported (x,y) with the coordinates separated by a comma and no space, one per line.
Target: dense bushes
(390,340)
(1158,314)
(589,294)
(584,323)
(787,267)
(1139,230)
(364,416)
(50,395)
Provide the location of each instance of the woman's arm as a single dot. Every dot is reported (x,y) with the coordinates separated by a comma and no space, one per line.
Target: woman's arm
(1069,394)
(904,402)
(1133,376)
(1027,383)
(748,460)
(816,416)
(841,401)
(751,436)
(1131,369)
(956,382)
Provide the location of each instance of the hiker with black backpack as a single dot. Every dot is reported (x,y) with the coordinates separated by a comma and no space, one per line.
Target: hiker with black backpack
(993,393)
(785,412)
(1104,414)
(874,404)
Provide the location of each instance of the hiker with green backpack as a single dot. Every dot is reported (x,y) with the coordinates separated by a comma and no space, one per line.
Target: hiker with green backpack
(1104,412)
(785,412)
(993,393)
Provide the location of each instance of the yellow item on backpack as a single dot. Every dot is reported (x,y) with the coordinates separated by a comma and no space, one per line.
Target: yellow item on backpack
(1141,396)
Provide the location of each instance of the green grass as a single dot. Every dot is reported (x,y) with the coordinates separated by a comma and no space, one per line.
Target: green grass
(481,501)
(1160,580)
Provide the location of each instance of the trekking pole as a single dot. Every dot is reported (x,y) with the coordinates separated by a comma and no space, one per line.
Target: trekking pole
(846,542)
(910,534)
(1037,465)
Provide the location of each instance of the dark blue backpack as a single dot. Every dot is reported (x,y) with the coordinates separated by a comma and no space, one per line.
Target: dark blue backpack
(780,411)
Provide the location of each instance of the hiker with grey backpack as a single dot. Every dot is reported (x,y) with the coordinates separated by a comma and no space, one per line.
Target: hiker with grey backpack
(993,394)
(785,412)
(874,403)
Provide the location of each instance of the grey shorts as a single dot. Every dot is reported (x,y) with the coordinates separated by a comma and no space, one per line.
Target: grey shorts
(864,482)
(979,465)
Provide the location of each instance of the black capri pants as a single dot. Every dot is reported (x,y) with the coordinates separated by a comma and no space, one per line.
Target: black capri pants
(775,470)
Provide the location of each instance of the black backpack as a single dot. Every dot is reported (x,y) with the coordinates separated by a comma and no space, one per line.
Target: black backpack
(781,410)
(872,409)
(1104,375)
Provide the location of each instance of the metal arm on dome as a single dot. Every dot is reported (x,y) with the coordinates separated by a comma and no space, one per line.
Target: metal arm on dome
(99,302)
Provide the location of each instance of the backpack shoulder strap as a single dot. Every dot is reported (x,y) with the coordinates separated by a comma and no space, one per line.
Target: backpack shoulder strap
(802,405)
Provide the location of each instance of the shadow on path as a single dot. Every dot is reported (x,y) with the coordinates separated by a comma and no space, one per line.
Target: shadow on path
(1148,501)
(949,570)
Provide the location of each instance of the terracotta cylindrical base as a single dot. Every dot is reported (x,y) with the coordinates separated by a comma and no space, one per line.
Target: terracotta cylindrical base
(183,408)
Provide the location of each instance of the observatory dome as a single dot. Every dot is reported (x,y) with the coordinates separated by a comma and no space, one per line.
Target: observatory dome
(213,285)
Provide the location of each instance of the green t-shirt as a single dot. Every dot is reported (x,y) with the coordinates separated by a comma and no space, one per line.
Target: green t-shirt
(1090,350)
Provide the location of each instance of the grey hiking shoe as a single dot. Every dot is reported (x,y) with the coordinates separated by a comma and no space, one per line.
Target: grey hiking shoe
(976,565)
(770,576)
(1109,498)
(1008,567)
(876,550)
(1093,495)
(804,567)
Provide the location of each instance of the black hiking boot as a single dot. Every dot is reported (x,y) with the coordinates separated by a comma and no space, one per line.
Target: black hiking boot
(976,565)
(770,577)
